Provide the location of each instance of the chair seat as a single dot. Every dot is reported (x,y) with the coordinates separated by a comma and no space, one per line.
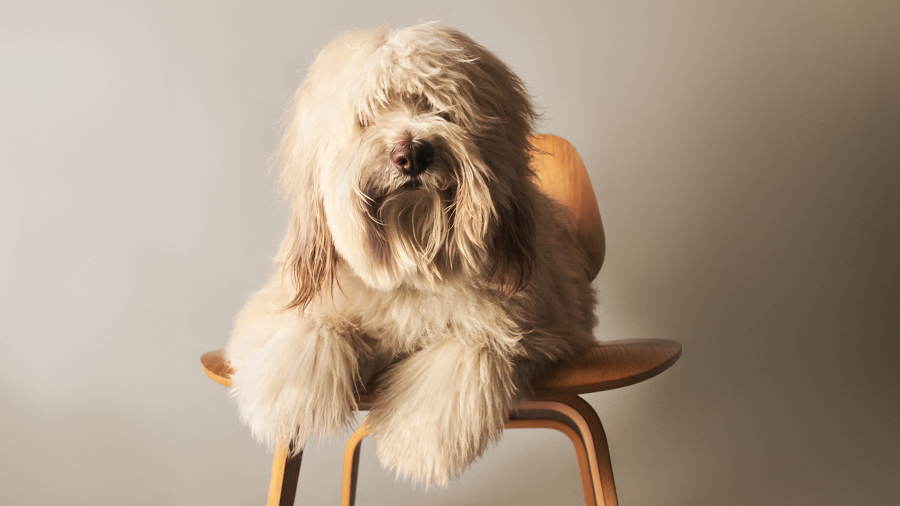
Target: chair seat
(604,366)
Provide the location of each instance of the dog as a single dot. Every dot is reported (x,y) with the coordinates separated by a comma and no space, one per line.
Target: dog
(419,248)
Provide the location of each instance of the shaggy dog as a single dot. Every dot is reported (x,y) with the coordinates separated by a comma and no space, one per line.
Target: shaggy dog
(419,246)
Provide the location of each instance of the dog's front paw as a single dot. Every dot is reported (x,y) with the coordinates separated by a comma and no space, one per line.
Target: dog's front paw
(439,409)
(422,452)
(298,386)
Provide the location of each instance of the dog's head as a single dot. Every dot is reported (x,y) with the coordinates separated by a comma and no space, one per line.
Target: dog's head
(405,155)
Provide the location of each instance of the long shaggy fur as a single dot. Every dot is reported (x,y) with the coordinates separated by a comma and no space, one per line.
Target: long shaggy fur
(463,282)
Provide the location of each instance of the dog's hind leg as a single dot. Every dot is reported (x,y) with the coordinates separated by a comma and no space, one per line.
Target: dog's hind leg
(437,410)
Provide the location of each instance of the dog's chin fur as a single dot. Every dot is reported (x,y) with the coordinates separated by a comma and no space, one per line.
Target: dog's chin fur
(459,285)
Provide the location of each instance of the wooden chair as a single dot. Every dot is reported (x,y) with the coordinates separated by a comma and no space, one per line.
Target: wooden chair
(556,403)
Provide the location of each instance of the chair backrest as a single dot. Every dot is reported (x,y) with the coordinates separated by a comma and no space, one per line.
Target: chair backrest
(561,174)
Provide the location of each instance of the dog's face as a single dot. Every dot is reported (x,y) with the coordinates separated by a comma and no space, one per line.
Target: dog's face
(406,157)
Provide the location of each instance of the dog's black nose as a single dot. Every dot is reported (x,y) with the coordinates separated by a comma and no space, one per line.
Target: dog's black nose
(413,158)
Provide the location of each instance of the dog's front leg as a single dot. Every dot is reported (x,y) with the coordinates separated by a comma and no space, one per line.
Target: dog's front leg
(438,409)
(300,382)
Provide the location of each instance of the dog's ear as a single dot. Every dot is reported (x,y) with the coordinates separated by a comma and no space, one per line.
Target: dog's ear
(307,255)
(511,254)
(503,103)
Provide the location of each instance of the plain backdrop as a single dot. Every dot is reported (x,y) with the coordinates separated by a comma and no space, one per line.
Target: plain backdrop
(745,156)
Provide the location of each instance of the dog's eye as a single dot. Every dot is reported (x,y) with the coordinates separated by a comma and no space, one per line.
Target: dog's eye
(446,116)
(419,102)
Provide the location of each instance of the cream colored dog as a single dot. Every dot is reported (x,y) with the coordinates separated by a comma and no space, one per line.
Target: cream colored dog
(419,242)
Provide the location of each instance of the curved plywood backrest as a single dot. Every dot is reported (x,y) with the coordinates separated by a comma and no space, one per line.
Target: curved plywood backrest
(561,175)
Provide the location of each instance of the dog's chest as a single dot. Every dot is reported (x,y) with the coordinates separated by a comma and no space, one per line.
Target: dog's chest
(404,320)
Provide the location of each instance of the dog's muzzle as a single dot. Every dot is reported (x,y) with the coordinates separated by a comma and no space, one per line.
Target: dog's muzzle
(412,158)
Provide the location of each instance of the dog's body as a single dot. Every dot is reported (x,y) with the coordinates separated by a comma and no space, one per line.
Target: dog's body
(419,241)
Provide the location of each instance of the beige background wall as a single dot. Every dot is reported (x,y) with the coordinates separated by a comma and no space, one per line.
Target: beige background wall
(745,155)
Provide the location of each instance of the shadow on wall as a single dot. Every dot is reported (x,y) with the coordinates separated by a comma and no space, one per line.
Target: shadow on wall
(757,226)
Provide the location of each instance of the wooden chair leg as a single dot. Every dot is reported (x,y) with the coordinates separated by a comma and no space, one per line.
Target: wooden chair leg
(285,473)
(580,450)
(571,415)
(597,445)
(578,414)
(351,465)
